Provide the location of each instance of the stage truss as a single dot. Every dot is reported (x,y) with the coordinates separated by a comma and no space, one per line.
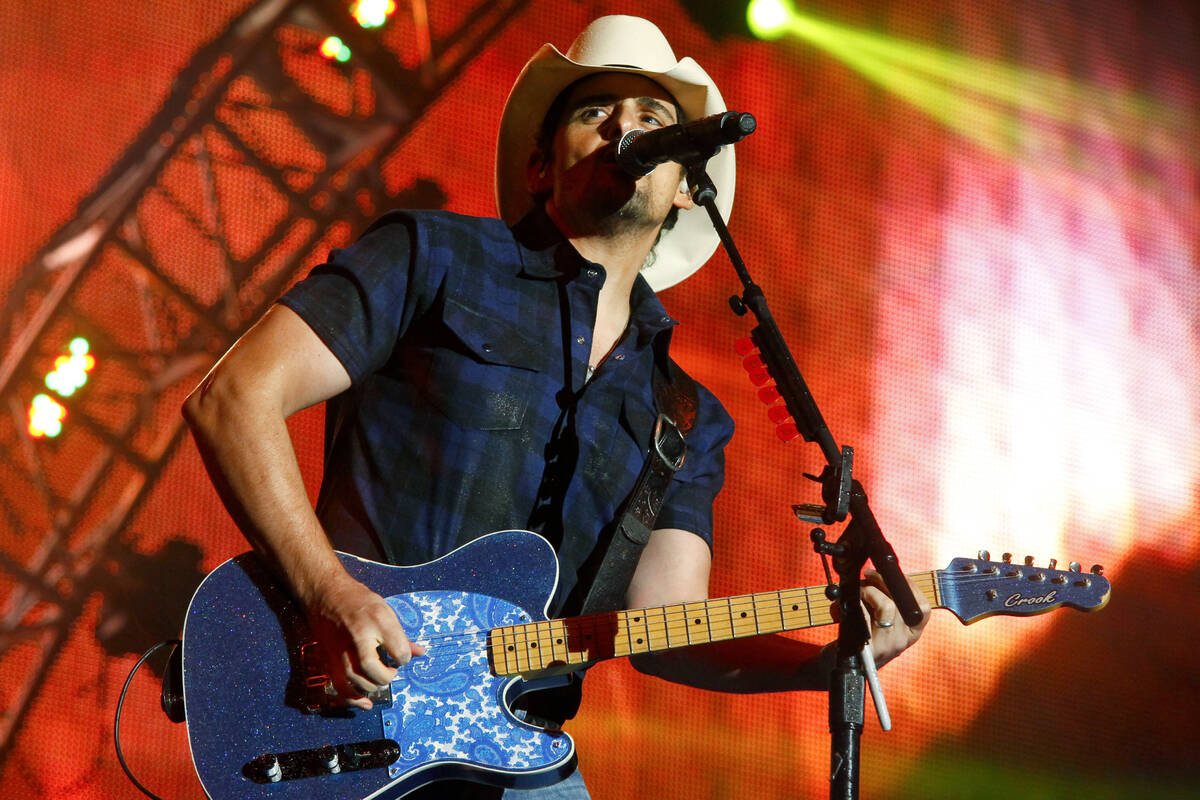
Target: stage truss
(258,119)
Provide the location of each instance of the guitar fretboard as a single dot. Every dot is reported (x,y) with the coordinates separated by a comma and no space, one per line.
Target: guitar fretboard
(560,644)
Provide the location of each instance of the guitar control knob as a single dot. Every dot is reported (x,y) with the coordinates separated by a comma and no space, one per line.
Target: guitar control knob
(1075,566)
(984,555)
(329,758)
(1097,569)
(1007,558)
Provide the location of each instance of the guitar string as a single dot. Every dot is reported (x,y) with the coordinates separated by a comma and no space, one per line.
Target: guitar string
(675,614)
(522,634)
(783,595)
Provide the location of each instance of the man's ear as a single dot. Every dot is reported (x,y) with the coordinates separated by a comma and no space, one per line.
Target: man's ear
(537,174)
(683,196)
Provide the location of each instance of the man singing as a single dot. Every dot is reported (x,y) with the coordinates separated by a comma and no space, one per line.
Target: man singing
(487,374)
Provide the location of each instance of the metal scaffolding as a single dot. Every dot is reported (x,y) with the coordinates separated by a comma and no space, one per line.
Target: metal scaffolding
(161,276)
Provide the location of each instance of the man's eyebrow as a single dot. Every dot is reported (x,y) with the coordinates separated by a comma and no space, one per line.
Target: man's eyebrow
(609,99)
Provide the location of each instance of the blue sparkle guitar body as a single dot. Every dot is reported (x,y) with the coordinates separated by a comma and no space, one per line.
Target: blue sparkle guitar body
(262,727)
(253,689)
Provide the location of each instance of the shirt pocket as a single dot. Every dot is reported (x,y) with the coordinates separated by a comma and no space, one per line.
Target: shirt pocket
(484,373)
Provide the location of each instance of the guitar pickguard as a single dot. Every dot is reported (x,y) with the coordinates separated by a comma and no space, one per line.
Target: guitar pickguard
(447,705)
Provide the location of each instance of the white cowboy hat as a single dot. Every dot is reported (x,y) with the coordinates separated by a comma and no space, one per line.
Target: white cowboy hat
(615,44)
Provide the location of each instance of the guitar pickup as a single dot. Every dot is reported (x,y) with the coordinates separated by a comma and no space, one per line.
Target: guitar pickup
(318,761)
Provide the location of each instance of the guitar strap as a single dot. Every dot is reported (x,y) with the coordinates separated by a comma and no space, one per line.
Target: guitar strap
(676,402)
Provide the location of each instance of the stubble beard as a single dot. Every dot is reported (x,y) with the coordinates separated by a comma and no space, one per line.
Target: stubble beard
(633,216)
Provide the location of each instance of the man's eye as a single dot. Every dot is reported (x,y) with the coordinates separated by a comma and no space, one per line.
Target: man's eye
(594,112)
(650,119)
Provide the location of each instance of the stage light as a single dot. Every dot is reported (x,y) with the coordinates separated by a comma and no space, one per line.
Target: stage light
(335,49)
(372,13)
(974,97)
(45,417)
(769,19)
(70,372)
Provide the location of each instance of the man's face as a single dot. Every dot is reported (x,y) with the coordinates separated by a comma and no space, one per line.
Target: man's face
(587,188)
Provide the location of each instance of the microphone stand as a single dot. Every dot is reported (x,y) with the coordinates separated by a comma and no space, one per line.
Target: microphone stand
(844,497)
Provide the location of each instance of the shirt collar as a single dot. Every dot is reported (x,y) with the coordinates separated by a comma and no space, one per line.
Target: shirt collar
(542,252)
(545,254)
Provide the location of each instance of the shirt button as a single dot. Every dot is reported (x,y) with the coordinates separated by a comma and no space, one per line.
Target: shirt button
(579,340)
(592,272)
(619,356)
(487,348)
(665,320)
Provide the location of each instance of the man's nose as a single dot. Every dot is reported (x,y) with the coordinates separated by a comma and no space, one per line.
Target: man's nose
(621,120)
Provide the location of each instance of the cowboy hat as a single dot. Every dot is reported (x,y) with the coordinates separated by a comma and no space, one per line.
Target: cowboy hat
(615,43)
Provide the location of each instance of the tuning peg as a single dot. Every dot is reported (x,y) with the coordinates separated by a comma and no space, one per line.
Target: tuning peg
(1029,561)
(1075,566)
(1053,563)
(1006,558)
(1097,569)
(984,555)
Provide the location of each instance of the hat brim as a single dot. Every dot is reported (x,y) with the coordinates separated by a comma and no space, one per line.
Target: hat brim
(680,251)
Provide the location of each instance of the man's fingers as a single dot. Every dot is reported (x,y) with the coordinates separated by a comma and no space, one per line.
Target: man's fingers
(345,685)
(362,636)
(873,578)
(370,661)
(881,608)
(380,655)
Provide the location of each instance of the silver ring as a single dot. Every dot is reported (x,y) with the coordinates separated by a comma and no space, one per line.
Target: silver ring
(884,624)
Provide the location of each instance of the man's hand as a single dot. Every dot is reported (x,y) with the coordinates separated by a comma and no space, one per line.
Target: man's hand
(889,635)
(350,623)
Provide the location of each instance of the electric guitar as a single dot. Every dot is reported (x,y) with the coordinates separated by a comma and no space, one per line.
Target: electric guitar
(261,723)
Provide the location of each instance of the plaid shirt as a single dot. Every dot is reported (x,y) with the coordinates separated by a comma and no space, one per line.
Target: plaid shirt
(467,344)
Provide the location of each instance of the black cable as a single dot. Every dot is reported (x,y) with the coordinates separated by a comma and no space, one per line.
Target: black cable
(121,703)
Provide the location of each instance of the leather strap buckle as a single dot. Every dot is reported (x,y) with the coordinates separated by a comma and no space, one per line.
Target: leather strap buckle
(668,443)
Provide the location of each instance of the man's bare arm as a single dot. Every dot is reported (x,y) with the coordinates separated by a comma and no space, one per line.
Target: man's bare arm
(674,568)
(238,418)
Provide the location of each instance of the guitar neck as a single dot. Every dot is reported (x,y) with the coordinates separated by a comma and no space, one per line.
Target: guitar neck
(560,645)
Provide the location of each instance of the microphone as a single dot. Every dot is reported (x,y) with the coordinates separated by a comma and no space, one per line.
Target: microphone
(640,151)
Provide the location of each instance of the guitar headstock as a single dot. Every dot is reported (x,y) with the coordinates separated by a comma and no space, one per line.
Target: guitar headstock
(978,588)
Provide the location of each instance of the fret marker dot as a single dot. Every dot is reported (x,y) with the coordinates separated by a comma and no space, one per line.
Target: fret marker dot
(697,620)
(558,641)
(795,608)
(639,641)
(743,615)
(510,647)
(533,644)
